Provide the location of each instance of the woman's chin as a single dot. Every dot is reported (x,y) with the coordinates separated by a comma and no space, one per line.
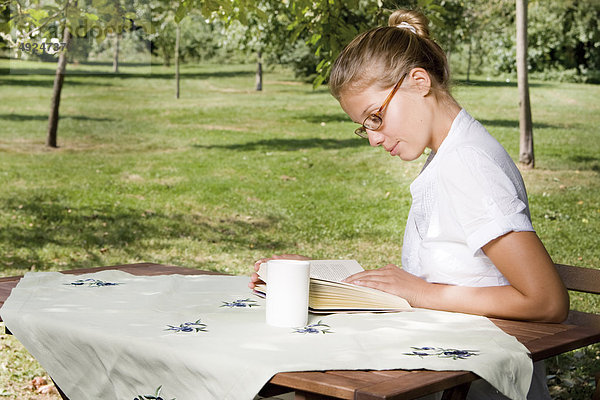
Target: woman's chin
(405,156)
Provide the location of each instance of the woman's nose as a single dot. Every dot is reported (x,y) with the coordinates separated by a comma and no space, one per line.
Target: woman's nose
(375,138)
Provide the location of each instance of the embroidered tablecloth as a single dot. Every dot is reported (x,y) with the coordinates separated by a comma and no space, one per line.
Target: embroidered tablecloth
(112,335)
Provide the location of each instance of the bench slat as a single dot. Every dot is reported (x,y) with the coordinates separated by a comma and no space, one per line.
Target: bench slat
(580,279)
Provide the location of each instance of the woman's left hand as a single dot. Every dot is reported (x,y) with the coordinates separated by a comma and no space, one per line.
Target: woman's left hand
(394,280)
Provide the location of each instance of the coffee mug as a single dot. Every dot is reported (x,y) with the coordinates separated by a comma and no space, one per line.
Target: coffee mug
(287,293)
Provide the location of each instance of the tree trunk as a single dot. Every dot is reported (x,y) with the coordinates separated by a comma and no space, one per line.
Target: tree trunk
(526,157)
(116,54)
(469,60)
(57,89)
(449,48)
(259,73)
(177,36)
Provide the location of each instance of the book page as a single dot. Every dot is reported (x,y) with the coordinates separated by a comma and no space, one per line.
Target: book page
(329,270)
(333,270)
(328,296)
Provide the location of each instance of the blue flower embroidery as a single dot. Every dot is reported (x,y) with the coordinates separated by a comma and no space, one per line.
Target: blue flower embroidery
(240,303)
(155,396)
(319,327)
(91,282)
(439,352)
(188,327)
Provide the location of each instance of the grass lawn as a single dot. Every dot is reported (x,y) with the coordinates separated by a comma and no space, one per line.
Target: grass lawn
(226,175)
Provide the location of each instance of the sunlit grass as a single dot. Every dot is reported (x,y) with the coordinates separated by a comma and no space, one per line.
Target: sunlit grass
(225,175)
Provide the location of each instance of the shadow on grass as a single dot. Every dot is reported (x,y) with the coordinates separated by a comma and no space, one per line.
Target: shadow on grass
(22,117)
(494,83)
(318,118)
(288,144)
(341,117)
(120,75)
(48,83)
(307,91)
(510,123)
(589,162)
(85,233)
(122,64)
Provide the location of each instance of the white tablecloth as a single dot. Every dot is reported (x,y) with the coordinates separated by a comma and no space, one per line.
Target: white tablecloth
(112,335)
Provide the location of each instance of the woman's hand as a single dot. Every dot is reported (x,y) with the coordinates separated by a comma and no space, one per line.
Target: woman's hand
(254,279)
(394,280)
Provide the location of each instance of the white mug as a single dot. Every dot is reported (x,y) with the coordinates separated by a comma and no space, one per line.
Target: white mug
(287,293)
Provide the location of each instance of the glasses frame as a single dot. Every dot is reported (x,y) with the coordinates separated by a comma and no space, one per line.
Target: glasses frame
(378,115)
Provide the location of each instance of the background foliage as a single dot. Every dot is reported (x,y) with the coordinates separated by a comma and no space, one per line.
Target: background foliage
(479,36)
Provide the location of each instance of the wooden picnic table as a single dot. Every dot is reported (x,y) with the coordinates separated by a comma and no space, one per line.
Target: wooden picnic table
(542,339)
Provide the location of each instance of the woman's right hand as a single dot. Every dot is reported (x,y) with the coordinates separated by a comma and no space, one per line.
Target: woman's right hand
(254,279)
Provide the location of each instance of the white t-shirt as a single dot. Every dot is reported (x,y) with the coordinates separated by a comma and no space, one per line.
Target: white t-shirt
(469,193)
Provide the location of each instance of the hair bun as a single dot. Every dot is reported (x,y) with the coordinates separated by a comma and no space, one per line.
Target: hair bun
(413,18)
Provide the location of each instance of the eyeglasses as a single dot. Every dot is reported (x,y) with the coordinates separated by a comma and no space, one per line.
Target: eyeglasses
(374,121)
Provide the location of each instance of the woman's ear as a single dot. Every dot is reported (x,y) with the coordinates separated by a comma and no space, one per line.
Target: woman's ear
(421,80)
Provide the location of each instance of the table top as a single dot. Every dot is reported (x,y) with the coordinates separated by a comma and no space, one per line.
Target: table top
(542,339)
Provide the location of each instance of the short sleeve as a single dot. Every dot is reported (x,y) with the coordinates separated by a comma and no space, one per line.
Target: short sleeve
(486,198)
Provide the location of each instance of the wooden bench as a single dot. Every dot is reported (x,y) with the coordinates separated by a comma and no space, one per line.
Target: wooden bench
(585,280)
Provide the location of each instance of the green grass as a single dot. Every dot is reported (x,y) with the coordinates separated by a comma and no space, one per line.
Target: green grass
(226,175)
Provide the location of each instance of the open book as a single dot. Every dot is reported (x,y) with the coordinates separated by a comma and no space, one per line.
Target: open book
(329,295)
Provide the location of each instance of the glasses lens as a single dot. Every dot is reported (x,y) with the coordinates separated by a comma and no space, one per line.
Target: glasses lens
(372,122)
(361,132)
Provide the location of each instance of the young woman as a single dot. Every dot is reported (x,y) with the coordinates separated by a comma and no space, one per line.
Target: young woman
(469,245)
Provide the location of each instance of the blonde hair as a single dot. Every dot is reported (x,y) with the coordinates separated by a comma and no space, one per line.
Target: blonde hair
(383,55)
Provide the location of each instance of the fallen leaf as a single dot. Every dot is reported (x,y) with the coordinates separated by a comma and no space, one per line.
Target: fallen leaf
(37,382)
(47,389)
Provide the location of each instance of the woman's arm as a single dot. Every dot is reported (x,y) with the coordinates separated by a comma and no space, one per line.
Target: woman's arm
(535,293)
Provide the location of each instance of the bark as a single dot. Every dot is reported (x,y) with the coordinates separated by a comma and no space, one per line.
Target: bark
(449,48)
(526,157)
(469,60)
(56,91)
(259,72)
(116,54)
(177,37)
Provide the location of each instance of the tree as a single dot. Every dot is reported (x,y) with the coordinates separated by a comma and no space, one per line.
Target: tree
(116,40)
(180,12)
(59,78)
(166,13)
(563,38)
(259,71)
(526,157)
(329,25)
(309,34)
(71,18)
(93,20)
(177,40)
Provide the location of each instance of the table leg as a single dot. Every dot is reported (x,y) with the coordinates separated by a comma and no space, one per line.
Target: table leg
(300,395)
(62,395)
(457,392)
(596,395)
(271,390)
